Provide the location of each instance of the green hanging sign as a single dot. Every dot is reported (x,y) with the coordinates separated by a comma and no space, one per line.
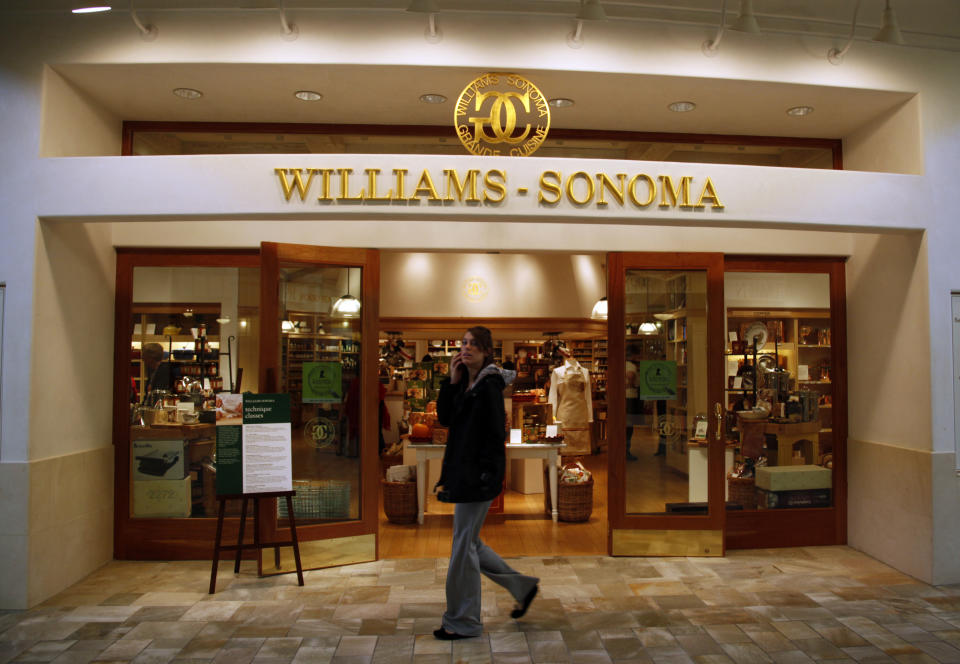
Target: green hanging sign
(322,382)
(657,380)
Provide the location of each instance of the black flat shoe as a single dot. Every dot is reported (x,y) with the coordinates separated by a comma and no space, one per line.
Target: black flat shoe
(519,613)
(444,635)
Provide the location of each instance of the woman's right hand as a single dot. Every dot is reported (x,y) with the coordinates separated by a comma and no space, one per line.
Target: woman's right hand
(455,365)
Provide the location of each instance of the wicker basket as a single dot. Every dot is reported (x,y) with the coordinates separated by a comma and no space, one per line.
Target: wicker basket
(575,501)
(400,501)
(322,499)
(388,460)
(742,490)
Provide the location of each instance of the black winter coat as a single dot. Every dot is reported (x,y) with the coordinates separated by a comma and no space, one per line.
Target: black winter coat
(475,459)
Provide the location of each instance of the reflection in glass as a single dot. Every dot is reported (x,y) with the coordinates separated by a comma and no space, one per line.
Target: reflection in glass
(779,391)
(320,369)
(666,471)
(194,333)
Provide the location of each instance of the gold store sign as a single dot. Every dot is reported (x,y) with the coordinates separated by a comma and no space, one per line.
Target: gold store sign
(501,114)
(639,190)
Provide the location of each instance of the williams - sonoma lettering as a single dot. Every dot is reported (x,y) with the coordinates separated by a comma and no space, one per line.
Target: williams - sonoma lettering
(490,187)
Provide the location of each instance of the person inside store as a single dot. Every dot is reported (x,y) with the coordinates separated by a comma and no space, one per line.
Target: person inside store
(470,403)
(160,375)
(633,398)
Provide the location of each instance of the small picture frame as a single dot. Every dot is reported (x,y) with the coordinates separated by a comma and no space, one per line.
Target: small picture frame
(700,433)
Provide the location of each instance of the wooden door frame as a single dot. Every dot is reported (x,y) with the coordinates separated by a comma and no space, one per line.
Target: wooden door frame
(617,265)
(272,255)
(145,538)
(750,529)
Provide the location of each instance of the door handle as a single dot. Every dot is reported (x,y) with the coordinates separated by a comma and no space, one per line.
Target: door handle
(718,411)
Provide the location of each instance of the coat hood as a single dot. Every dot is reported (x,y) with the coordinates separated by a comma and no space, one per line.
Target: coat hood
(506,375)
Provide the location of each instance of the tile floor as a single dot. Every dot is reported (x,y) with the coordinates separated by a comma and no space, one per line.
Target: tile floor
(782,606)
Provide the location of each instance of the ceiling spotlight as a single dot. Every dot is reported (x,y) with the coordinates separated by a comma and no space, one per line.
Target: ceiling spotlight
(187,93)
(432,98)
(889,29)
(307,95)
(560,102)
(682,106)
(799,111)
(91,9)
(746,22)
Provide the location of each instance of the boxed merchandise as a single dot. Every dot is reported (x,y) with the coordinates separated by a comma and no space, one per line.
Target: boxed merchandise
(169,498)
(794,478)
(802,498)
(159,459)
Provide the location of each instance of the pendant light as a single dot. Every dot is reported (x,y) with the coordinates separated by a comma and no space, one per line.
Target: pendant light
(599,309)
(347,306)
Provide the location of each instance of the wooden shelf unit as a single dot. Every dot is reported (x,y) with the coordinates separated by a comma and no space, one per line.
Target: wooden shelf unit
(806,342)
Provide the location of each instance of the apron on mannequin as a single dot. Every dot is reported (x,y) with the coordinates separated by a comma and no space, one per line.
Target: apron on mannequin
(572,394)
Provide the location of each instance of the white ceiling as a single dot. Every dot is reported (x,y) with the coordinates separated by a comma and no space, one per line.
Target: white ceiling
(355,94)
(264,93)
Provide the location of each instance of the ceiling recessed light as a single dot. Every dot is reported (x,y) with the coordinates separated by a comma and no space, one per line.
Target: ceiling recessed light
(432,98)
(91,9)
(682,106)
(307,95)
(799,111)
(560,102)
(187,93)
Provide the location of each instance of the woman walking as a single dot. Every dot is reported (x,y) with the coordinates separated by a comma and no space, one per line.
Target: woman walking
(471,405)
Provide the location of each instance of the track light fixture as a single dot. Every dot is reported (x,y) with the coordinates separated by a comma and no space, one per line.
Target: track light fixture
(148,31)
(834,55)
(889,33)
(590,10)
(432,33)
(746,22)
(712,46)
(889,29)
(290,30)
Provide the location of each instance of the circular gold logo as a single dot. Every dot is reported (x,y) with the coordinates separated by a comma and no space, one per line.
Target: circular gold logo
(501,114)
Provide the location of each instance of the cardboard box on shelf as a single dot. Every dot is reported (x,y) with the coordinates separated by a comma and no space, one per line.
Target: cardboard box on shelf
(167,498)
(157,460)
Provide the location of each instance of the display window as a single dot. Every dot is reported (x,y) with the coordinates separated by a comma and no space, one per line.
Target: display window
(191,138)
(192,332)
(706,412)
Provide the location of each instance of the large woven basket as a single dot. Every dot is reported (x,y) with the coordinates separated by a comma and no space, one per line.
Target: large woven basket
(742,490)
(575,501)
(400,501)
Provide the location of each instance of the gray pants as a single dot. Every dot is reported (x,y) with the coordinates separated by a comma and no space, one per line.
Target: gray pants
(469,557)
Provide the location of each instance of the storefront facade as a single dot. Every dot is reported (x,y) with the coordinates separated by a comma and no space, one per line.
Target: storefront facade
(71,203)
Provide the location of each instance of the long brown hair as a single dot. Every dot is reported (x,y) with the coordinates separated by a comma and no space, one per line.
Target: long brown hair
(484,339)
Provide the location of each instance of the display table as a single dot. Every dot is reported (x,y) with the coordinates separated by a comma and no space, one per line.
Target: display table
(790,433)
(426,451)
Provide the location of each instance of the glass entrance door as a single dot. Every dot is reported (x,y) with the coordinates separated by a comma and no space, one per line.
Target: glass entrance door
(319,308)
(667,445)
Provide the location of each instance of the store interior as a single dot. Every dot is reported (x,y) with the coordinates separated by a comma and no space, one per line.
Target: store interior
(206,323)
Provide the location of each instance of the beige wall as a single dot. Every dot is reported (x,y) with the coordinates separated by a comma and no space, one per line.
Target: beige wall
(891,142)
(73,125)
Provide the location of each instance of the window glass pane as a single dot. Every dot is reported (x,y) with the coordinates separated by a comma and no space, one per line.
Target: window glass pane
(186,143)
(193,333)
(666,392)
(320,369)
(779,389)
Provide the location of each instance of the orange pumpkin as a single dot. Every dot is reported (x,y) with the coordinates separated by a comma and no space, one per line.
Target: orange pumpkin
(420,430)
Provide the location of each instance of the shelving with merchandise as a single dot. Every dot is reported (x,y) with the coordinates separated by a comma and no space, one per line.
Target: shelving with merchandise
(313,337)
(177,327)
(798,343)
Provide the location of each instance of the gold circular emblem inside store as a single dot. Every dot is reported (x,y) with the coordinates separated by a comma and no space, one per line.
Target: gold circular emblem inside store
(501,114)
